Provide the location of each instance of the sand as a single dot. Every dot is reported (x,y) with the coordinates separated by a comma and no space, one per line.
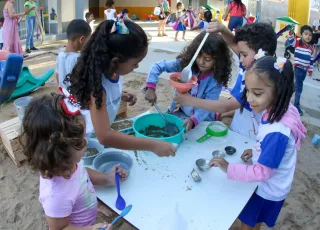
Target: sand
(20,208)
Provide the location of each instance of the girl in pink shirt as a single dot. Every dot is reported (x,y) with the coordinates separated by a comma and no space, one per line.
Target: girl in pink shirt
(54,142)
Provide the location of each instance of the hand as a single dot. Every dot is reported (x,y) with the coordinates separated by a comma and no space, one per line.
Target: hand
(111,175)
(182,99)
(99,226)
(164,149)
(310,74)
(129,98)
(219,162)
(246,155)
(151,96)
(188,123)
(215,27)
(32,8)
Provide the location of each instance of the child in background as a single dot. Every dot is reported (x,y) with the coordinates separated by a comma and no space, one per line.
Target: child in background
(163,16)
(303,61)
(247,42)
(124,15)
(113,50)
(212,67)
(203,25)
(78,32)
(1,25)
(179,25)
(89,17)
(110,13)
(54,141)
(269,87)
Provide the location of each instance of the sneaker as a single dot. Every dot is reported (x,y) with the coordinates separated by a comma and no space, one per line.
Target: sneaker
(34,49)
(28,51)
(299,110)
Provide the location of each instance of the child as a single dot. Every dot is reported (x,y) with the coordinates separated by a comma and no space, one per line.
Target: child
(124,15)
(269,87)
(114,49)
(89,17)
(1,25)
(54,141)
(163,16)
(212,67)
(78,32)
(203,25)
(303,61)
(246,42)
(179,25)
(110,13)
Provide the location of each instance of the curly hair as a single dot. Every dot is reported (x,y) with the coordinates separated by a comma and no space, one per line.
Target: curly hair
(282,83)
(218,49)
(96,56)
(47,135)
(109,3)
(258,36)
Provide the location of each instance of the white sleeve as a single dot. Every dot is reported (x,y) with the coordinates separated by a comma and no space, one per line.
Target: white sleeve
(315,23)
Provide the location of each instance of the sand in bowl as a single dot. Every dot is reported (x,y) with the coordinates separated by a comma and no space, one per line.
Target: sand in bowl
(154,131)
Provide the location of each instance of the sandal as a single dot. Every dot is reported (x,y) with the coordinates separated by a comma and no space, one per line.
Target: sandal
(159,35)
(164,34)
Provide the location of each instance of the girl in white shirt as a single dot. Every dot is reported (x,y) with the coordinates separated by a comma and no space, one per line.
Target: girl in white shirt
(110,13)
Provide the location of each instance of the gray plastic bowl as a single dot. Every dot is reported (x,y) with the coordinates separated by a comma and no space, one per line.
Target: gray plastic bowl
(105,161)
(92,143)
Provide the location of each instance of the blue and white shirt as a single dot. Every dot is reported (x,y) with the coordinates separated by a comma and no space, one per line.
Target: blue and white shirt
(275,149)
(203,25)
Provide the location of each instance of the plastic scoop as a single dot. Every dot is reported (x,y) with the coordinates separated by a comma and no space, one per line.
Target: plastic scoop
(182,87)
(214,129)
(186,73)
(122,214)
(120,202)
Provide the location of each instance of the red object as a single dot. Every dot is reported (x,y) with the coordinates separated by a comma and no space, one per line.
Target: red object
(3,55)
(182,87)
(251,19)
(41,8)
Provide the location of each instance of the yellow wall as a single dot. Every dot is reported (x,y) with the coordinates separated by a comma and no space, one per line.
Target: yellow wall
(299,10)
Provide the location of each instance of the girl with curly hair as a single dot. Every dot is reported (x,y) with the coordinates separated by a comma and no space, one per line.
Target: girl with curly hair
(212,67)
(53,137)
(113,50)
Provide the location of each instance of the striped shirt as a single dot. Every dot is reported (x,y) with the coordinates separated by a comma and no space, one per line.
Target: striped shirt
(303,56)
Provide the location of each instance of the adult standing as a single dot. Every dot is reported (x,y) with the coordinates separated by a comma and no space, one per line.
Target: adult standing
(237,11)
(11,39)
(30,11)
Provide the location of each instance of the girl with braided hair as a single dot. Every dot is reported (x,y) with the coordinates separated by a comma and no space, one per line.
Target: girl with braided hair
(113,50)
(269,87)
(54,141)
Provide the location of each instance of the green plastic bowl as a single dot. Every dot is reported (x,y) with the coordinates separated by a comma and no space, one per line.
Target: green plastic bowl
(155,119)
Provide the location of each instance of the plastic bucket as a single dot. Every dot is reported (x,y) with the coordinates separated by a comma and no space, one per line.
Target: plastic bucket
(21,105)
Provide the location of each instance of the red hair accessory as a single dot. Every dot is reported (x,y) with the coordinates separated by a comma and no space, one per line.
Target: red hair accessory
(69,103)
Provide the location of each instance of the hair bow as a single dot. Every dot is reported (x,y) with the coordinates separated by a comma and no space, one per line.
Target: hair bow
(260,54)
(119,27)
(69,103)
(278,65)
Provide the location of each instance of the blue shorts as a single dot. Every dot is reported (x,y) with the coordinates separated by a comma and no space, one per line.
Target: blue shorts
(259,210)
(235,23)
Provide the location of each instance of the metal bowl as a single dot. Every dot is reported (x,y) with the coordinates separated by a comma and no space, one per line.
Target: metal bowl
(195,176)
(218,154)
(230,150)
(202,164)
(105,161)
(92,143)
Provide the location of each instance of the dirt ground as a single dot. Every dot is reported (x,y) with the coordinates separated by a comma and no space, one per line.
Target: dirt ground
(20,208)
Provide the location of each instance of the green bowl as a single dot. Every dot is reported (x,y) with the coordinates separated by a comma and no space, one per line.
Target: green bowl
(155,119)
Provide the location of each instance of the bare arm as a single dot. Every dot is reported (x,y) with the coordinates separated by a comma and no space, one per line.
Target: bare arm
(27,10)
(226,13)
(63,224)
(11,10)
(102,179)
(196,28)
(115,139)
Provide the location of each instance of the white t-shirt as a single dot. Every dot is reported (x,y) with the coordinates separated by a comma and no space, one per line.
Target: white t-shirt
(316,24)
(65,63)
(110,14)
(276,149)
(1,39)
(113,90)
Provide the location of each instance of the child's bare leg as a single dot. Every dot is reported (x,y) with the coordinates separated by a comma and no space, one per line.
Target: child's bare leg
(176,37)
(163,28)
(159,27)
(258,226)
(247,227)
(183,33)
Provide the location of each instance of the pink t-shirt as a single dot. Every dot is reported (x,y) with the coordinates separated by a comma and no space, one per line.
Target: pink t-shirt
(74,197)
(237,11)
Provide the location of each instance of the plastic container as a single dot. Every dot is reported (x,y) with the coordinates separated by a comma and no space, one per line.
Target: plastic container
(315,139)
(182,87)
(92,143)
(21,105)
(155,119)
(105,161)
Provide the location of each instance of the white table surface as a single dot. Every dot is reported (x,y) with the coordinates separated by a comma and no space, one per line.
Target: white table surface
(155,184)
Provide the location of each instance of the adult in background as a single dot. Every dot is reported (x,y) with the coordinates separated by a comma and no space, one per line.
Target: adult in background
(11,39)
(237,11)
(30,10)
